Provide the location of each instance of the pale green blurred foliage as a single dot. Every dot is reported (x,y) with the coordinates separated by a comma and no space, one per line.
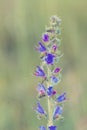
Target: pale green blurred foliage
(21,24)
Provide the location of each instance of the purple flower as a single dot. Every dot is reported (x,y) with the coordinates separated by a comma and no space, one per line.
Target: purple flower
(57,112)
(50,91)
(41,90)
(41,47)
(39,109)
(61,98)
(42,128)
(54,92)
(54,48)
(54,79)
(57,70)
(52,127)
(39,72)
(49,58)
(45,37)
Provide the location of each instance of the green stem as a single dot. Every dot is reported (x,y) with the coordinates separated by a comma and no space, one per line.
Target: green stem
(50,120)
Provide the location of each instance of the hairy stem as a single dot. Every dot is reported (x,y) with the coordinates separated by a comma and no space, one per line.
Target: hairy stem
(50,120)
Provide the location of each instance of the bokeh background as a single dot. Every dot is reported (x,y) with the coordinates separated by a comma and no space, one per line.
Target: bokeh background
(22,23)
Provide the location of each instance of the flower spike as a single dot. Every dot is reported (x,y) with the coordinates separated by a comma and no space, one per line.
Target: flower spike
(50,75)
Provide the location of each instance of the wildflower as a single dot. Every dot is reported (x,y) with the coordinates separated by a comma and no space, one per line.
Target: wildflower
(45,37)
(57,70)
(57,112)
(41,90)
(49,58)
(42,128)
(54,92)
(54,48)
(39,109)
(50,91)
(52,127)
(39,72)
(50,75)
(54,80)
(61,98)
(41,47)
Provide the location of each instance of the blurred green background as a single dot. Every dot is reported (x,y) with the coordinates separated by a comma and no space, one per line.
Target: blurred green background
(22,23)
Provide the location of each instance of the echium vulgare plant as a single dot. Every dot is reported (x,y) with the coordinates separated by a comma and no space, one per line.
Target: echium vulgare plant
(50,75)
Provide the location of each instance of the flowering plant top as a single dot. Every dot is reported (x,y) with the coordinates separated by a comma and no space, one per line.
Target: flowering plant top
(50,75)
